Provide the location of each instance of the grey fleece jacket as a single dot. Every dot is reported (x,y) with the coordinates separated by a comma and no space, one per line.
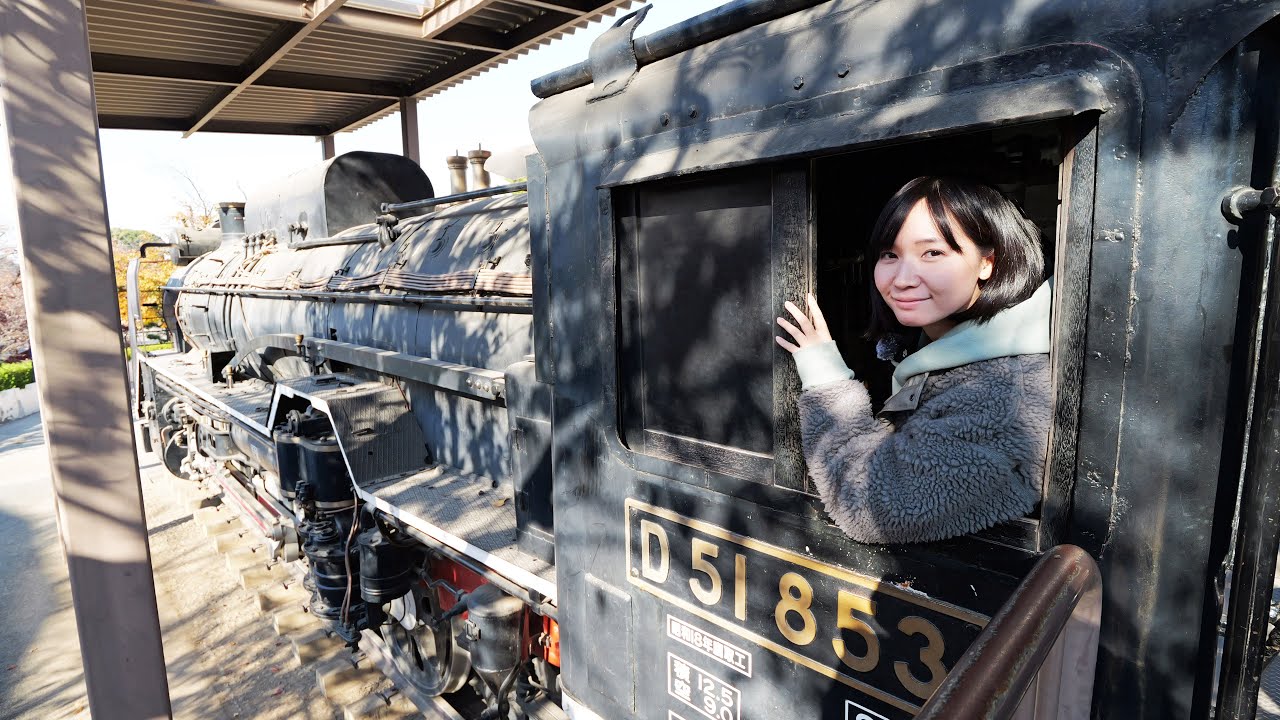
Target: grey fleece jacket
(968,456)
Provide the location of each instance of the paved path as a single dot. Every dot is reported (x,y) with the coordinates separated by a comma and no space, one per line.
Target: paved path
(40,672)
(224,660)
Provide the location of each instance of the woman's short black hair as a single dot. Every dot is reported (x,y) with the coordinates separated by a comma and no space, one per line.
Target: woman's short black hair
(992,221)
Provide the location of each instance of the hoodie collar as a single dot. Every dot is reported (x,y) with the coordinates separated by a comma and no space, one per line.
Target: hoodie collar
(1023,329)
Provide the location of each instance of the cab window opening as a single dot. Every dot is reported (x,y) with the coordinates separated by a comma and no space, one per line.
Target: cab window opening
(1023,162)
(704,261)
(1030,164)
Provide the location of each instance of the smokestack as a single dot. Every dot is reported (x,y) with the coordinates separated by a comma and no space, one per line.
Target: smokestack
(231,220)
(479,176)
(457,173)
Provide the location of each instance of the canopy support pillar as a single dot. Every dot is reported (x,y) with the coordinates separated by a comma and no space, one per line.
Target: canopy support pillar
(409,128)
(69,282)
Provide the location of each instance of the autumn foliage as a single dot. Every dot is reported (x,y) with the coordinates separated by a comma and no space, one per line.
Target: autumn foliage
(14,343)
(153,273)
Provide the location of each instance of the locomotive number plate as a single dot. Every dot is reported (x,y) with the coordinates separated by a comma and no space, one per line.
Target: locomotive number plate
(888,642)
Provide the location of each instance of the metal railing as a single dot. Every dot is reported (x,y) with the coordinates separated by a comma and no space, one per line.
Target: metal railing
(1036,657)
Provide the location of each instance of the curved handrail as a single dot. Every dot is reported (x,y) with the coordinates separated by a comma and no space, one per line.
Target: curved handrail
(1055,610)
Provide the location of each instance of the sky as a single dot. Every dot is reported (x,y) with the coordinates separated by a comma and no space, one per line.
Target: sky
(149,174)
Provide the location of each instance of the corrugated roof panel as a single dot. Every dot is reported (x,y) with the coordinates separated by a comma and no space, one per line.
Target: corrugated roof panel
(168,31)
(169,60)
(147,97)
(290,106)
(408,8)
(570,26)
(504,17)
(364,55)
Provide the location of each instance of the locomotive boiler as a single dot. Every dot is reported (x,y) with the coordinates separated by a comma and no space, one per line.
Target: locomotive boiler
(538,451)
(363,393)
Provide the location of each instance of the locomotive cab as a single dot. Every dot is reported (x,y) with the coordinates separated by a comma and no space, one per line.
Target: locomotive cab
(733,171)
(706,402)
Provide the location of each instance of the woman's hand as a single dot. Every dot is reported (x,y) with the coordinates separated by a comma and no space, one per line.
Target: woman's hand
(804,332)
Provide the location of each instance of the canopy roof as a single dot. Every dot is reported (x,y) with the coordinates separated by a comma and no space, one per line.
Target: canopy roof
(303,67)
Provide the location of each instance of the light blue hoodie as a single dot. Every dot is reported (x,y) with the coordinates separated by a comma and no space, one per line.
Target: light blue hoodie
(953,452)
(1023,329)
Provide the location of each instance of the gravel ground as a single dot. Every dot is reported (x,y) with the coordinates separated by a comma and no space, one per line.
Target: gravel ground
(225,660)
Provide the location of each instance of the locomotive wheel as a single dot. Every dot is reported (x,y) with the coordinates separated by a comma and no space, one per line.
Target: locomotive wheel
(173,453)
(428,659)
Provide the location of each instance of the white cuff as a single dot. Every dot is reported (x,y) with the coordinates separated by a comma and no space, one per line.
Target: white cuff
(820,364)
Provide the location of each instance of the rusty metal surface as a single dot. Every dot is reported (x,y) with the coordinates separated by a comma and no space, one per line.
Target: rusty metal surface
(309,67)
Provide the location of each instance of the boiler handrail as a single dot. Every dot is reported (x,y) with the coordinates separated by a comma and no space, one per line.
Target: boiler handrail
(1055,609)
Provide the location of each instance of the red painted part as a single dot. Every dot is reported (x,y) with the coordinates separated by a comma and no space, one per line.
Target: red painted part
(262,500)
(457,576)
(247,515)
(552,630)
(535,643)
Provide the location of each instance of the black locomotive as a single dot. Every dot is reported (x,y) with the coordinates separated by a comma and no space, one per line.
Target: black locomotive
(537,440)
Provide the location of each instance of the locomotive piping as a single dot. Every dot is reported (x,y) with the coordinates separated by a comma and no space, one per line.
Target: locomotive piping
(707,27)
(144,247)
(353,239)
(519,306)
(460,197)
(474,382)
(369,236)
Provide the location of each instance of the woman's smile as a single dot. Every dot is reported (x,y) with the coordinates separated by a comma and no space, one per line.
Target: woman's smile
(907,303)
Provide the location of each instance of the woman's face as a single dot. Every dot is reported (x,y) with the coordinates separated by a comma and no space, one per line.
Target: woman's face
(923,280)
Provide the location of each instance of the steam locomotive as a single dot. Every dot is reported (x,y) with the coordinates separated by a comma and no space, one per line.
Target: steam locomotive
(535,443)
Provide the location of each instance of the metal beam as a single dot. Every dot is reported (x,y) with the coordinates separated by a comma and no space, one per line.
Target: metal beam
(135,122)
(475,38)
(384,23)
(378,23)
(273,9)
(524,35)
(351,18)
(473,60)
(75,329)
(256,127)
(138,122)
(129,66)
(373,21)
(360,116)
(322,10)
(135,66)
(409,129)
(450,15)
(568,7)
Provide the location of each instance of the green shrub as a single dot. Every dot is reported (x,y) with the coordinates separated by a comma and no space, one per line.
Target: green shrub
(128,351)
(16,375)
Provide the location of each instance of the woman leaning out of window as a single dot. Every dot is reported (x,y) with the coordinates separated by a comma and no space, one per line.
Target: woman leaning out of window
(960,445)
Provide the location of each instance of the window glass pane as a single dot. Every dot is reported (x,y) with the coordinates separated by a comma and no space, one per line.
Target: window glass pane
(696,325)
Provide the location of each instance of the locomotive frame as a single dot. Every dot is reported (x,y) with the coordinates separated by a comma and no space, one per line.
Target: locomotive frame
(696,542)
